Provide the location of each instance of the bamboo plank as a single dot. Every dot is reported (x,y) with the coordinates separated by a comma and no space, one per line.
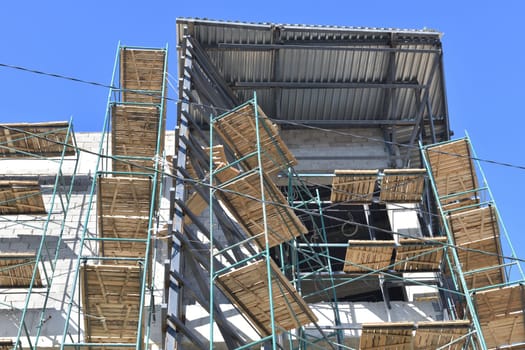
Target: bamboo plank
(402,185)
(16,270)
(21,197)
(110,301)
(356,186)
(453,172)
(23,140)
(476,234)
(237,130)
(248,290)
(142,70)
(243,196)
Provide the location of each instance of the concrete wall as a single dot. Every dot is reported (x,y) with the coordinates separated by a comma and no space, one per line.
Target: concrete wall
(320,151)
(22,234)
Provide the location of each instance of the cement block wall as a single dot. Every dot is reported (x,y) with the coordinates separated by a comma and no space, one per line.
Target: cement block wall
(23,233)
(319,151)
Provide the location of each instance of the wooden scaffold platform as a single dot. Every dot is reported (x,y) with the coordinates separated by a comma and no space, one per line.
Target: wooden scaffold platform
(23,140)
(410,255)
(450,335)
(247,288)
(392,185)
(21,197)
(238,130)
(16,270)
(112,290)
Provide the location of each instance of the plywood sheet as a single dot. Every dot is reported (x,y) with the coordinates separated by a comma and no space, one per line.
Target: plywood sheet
(238,130)
(110,302)
(247,288)
(414,255)
(142,70)
(21,197)
(22,140)
(367,256)
(388,336)
(134,133)
(476,233)
(244,196)
(355,186)
(402,185)
(16,270)
(436,334)
(453,171)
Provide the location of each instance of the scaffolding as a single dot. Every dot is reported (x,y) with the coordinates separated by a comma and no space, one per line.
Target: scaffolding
(35,203)
(269,255)
(115,285)
(481,260)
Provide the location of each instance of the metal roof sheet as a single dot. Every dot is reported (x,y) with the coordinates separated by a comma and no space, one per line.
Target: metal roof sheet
(326,75)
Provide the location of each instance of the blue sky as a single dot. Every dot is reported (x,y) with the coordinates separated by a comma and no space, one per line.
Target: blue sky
(482,42)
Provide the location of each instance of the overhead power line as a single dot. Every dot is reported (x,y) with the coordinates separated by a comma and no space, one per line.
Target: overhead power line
(107,86)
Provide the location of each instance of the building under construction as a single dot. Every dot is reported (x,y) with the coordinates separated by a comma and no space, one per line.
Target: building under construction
(310,196)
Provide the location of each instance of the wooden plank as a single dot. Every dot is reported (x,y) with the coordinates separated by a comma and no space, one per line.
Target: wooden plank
(366,256)
(243,196)
(16,270)
(134,133)
(436,334)
(476,234)
(420,254)
(453,171)
(405,335)
(504,331)
(387,335)
(499,302)
(123,228)
(410,255)
(247,289)
(142,69)
(237,130)
(124,196)
(110,302)
(402,185)
(37,139)
(356,186)
(21,197)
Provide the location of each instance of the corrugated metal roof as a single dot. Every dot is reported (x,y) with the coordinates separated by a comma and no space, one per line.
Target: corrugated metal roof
(327,75)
